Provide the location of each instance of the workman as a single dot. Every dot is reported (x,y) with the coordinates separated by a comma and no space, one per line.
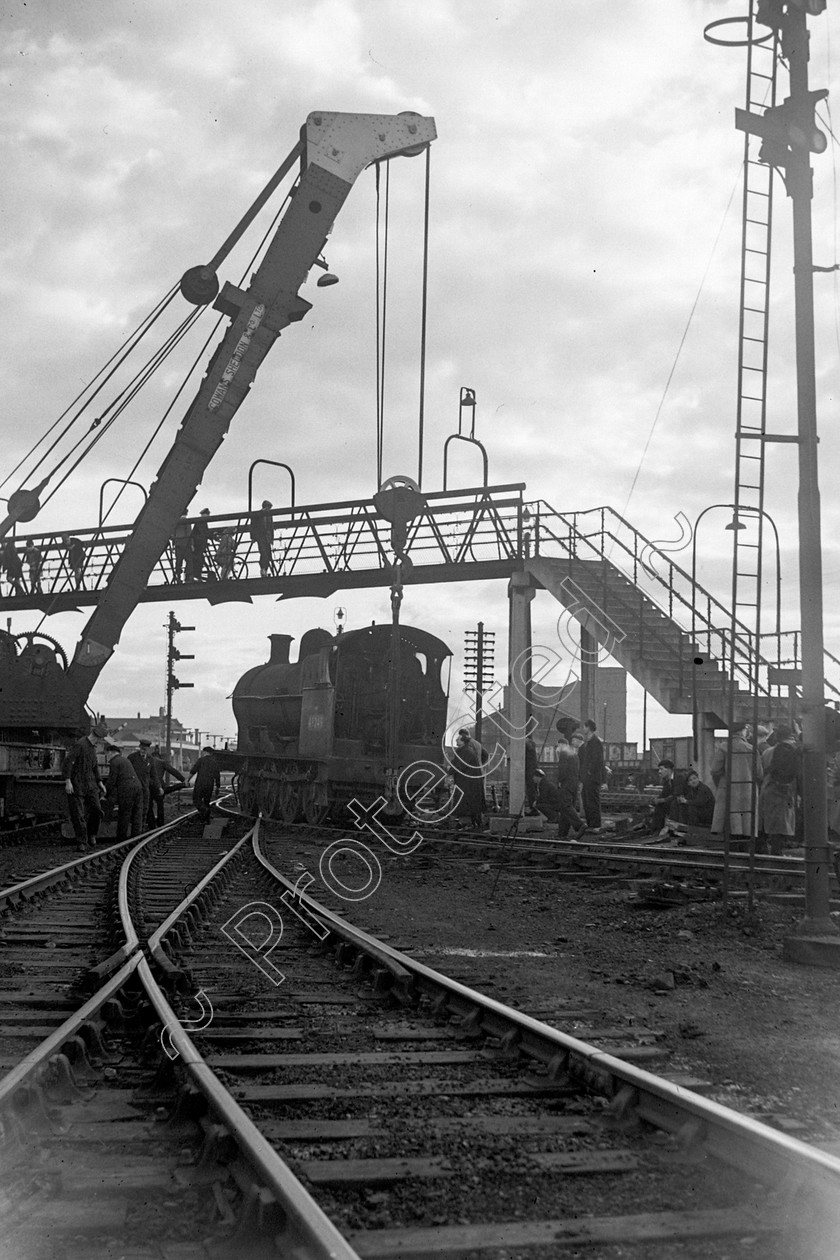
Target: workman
(262,532)
(697,802)
(141,763)
(159,787)
(199,539)
(547,800)
(124,790)
(83,785)
(208,780)
(568,779)
(181,546)
(591,757)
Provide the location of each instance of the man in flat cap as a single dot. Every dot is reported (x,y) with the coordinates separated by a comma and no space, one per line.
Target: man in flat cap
(83,786)
(124,791)
(207,782)
(141,763)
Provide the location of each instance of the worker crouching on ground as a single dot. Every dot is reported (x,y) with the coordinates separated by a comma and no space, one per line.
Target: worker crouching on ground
(125,793)
(696,803)
(208,780)
(547,800)
(83,786)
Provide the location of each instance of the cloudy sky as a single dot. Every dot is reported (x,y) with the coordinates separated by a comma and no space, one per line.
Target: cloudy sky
(584,262)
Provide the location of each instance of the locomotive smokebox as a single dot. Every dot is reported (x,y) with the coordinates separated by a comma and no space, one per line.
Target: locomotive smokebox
(268,700)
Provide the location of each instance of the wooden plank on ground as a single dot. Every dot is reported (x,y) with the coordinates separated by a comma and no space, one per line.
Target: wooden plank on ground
(368,1172)
(212,1033)
(369,1058)
(429,1088)
(318,1130)
(460,1240)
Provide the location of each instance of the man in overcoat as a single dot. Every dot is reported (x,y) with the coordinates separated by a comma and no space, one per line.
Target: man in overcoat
(741,819)
(780,786)
(591,757)
(141,763)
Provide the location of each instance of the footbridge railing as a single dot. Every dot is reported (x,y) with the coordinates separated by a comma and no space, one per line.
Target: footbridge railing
(457,530)
(603,534)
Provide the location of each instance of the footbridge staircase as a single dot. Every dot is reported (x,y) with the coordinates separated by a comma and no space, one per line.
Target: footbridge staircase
(669,633)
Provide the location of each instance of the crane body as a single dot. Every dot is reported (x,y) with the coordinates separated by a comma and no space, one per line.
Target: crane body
(40,700)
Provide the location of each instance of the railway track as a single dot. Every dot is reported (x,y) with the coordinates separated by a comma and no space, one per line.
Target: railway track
(325,1095)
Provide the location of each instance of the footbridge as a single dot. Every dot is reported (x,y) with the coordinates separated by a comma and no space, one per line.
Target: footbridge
(670,634)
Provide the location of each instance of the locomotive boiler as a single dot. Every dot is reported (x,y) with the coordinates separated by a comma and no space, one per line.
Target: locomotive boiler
(340,723)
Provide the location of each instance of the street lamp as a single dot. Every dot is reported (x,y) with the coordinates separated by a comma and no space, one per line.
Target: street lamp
(753,659)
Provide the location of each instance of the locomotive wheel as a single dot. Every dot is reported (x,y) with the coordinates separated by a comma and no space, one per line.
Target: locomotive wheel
(316,802)
(288,805)
(269,796)
(247,793)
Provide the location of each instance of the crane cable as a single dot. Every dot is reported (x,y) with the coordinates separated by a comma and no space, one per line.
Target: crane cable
(423,313)
(185,326)
(117,359)
(100,426)
(382,225)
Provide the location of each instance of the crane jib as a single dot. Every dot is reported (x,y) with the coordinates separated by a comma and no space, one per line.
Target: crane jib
(235,361)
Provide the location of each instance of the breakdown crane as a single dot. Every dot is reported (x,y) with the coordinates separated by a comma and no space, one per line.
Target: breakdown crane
(42,697)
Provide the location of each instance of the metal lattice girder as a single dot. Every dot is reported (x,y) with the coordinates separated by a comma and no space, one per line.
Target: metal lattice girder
(459,535)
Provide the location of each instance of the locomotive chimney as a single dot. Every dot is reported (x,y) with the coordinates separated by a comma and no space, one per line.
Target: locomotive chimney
(280,644)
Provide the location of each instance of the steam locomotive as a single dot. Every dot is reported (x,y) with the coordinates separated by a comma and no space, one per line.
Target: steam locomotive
(340,722)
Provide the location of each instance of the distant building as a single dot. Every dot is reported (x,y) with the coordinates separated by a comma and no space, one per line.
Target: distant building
(126,732)
(551,703)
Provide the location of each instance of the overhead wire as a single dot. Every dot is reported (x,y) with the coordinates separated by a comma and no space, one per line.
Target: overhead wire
(682,342)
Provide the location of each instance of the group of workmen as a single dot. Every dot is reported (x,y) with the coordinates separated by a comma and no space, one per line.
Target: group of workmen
(134,786)
(191,546)
(574,801)
(757,779)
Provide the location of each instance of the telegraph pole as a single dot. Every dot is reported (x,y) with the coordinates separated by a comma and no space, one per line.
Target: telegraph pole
(790,135)
(478,668)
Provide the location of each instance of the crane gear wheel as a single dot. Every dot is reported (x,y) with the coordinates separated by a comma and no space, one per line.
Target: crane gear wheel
(36,638)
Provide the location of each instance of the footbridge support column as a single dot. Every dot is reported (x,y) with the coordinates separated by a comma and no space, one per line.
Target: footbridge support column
(704,739)
(520,593)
